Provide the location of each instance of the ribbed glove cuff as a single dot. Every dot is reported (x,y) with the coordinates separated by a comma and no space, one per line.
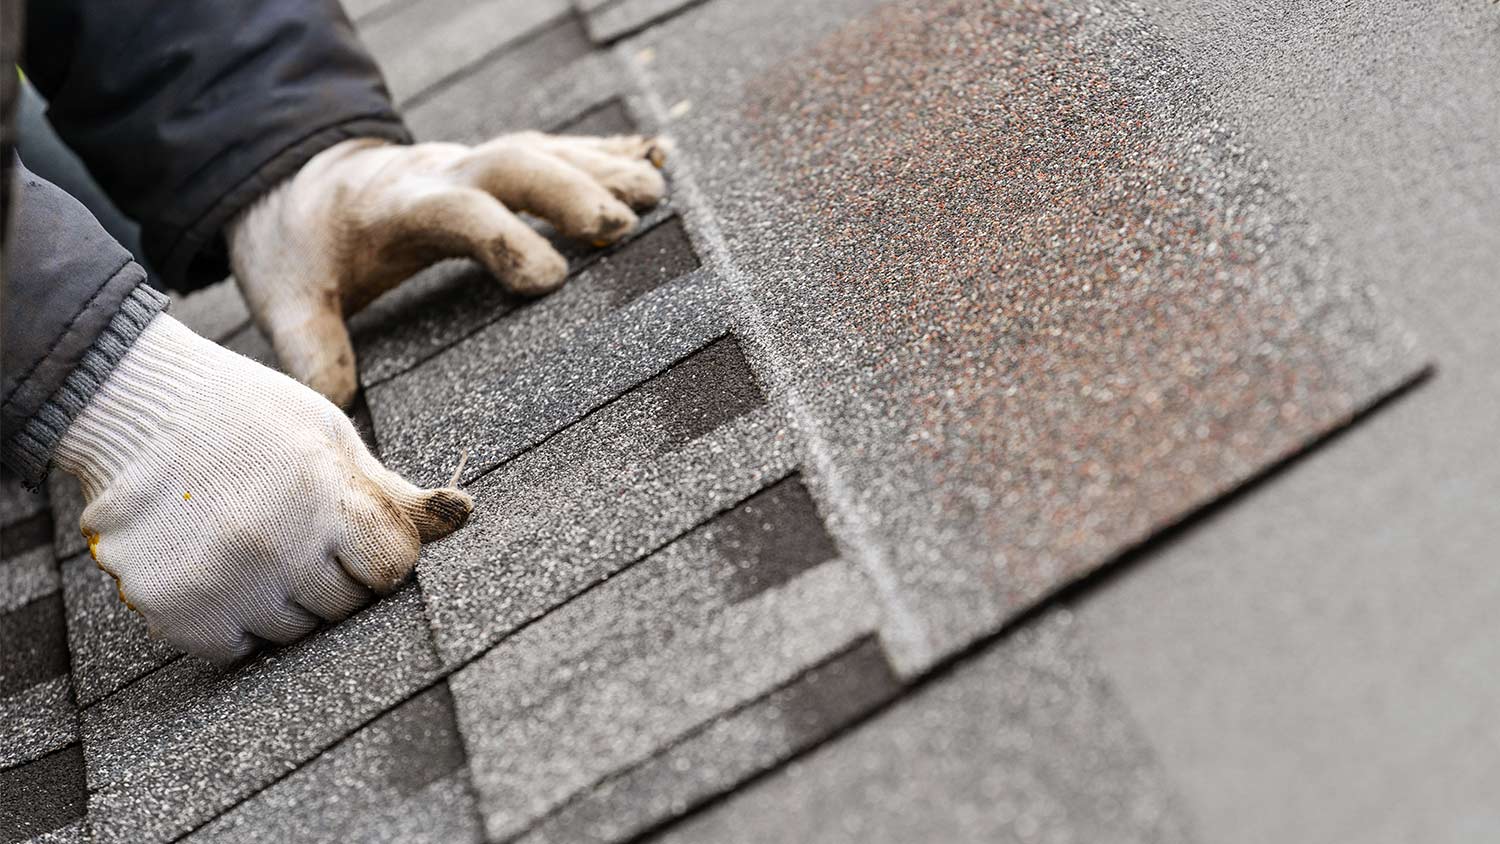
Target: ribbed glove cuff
(134,405)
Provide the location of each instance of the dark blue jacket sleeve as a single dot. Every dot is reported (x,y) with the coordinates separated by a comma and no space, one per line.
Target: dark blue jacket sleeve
(186,111)
(74,301)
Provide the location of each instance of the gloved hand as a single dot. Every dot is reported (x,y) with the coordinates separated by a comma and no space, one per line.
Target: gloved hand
(364,215)
(233,504)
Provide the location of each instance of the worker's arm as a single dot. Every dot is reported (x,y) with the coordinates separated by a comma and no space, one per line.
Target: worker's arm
(232,504)
(74,302)
(186,111)
(259,134)
(364,215)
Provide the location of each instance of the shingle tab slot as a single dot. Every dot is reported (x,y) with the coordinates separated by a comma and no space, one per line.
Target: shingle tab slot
(727,751)
(42,795)
(771,538)
(647,657)
(35,644)
(703,391)
(21,536)
(176,748)
(405,768)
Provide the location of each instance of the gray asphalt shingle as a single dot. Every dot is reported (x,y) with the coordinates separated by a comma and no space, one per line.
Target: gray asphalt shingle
(108,641)
(401,778)
(550,78)
(27,576)
(37,714)
(596,496)
(653,653)
(518,380)
(36,720)
(712,760)
(181,745)
(444,304)
(36,644)
(44,799)
(607,118)
(1087,307)
(611,21)
(423,43)
(952,303)
(1023,742)
(30,529)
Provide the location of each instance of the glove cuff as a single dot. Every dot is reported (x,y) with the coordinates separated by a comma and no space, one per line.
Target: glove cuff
(134,405)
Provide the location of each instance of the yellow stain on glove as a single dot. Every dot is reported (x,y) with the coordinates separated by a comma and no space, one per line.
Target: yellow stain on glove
(119,587)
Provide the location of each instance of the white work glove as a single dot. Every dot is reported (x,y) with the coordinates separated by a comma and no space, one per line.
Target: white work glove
(234,505)
(364,215)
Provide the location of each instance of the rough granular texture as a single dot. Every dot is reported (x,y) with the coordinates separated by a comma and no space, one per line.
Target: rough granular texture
(1063,306)
(952,302)
(1027,745)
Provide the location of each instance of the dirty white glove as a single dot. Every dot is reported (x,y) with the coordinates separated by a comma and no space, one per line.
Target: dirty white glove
(234,505)
(364,215)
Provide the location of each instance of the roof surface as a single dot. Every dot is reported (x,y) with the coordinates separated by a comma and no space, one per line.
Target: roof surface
(957,455)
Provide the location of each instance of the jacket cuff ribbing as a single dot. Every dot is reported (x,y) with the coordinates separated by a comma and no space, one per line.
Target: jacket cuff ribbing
(31,449)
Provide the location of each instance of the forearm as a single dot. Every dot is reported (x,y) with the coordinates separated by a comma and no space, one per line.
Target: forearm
(74,303)
(188,111)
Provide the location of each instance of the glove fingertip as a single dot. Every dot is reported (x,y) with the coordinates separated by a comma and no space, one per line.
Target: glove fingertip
(658,149)
(441,511)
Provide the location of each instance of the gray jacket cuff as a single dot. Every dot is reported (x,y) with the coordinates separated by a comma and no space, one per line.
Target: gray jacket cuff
(30,450)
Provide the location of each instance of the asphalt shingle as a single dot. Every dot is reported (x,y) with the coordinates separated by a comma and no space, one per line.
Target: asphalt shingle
(444,304)
(37,715)
(518,380)
(422,43)
(708,762)
(497,84)
(1327,644)
(29,530)
(615,20)
(594,497)
(1022,742)
(545,80)
(108,641)
(400,779)
(1007,260)
(653,653)
(36,644)
(36,720)
(26,576)
(181,745)
(607,118)
(44,799)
